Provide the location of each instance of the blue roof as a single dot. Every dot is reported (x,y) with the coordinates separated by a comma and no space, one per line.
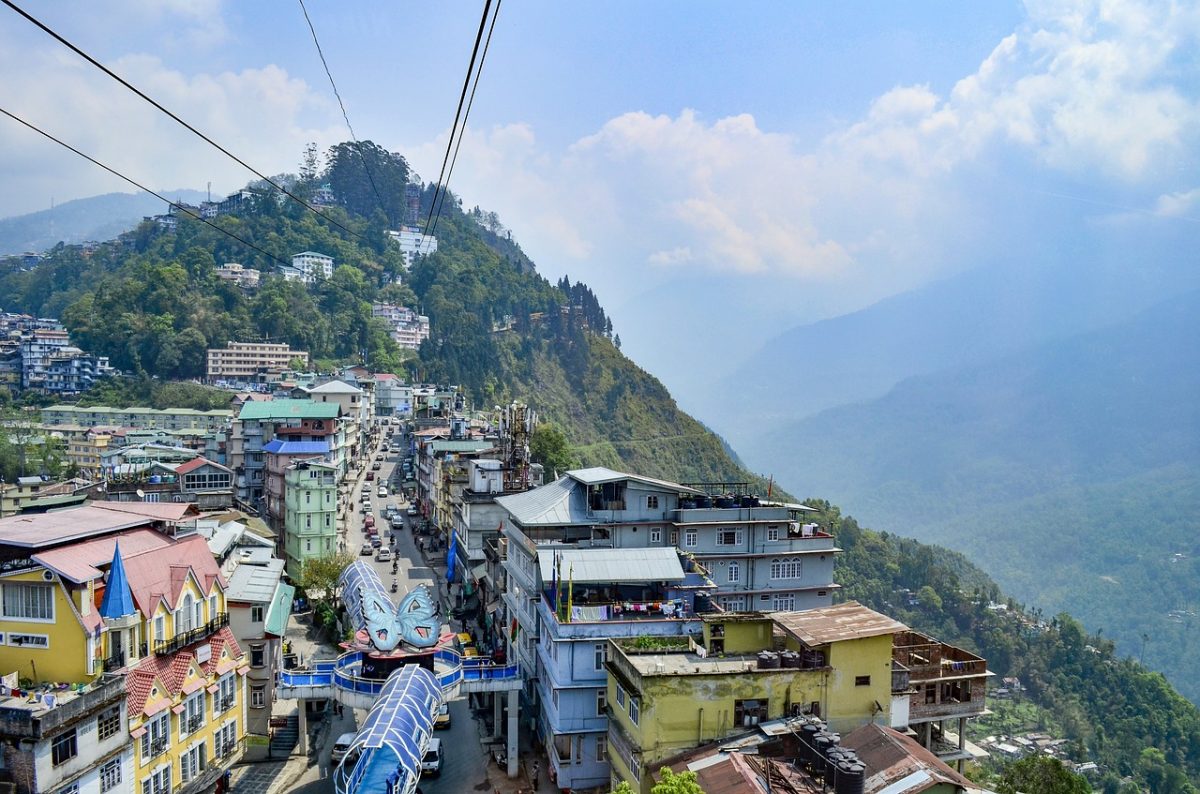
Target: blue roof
(118,598)
(279,447)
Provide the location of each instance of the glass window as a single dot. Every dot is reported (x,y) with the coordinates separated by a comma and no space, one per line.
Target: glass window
(734,572)
(772,533)
(635,710)
(862,680)
(785,569)
(602,748)
(29,601)
(109,722)
(598,656)
(64,747)
(689,539)
(656,535)
(258,696)
(729,537)
(257,656)
(256,614)
(651,502)
(110,775)
(157,735)
(159,782)
(620,696)
(601,701)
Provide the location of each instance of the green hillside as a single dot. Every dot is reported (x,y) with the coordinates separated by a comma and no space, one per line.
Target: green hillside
(1071,472)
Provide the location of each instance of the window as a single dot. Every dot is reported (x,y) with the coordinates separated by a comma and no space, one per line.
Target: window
(734,572)
(862,680)
(29,601)
(29,640)
(598,656)
(109,722)
(160,628)
(689,539)
(257,656)
(225,740)
(110,775)
(258,696)
(191,719)
(635,710)
(226,695)
(620,696)
(198,616)
(64,747)
(184,615)
(159,782)
(674,537)
(785,569)
(213,608)
(554,698)
(733,603)
(652,502)
(729,537)
(256,614)
(158,733)
(602,749)
(601,701)
(784,602)
(308,543)
(772,533)
(930,693)
(655,535)
(191,763)
(71,789)
(748,713)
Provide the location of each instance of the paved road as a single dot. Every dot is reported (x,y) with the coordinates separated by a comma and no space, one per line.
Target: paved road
(464,764)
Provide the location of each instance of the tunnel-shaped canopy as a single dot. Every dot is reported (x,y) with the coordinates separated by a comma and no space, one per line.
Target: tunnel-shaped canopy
(385,756)
(361,585)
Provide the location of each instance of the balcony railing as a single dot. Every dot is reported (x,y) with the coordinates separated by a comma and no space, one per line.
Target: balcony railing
(114,662)
(186,638)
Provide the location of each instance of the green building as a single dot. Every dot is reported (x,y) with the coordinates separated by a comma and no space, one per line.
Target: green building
(310,513)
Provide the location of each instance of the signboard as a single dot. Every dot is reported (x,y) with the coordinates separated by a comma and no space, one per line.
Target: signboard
(279,722)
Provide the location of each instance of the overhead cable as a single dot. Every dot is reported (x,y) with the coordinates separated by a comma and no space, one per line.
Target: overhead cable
(53,34)
(140,186)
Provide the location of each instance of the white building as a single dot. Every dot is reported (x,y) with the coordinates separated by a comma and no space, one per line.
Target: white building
(412,242)
(315,266)
(407,328)
(246,277)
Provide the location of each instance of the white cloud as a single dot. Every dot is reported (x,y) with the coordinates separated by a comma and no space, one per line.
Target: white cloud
(1183,204)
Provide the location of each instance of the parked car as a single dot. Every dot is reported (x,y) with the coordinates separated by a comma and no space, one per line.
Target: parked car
(442,720)
(367,550)
(431,764)
(341,747)
(383,555)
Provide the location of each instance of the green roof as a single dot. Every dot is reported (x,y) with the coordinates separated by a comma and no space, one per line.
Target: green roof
(472,445)
(104,409)
(289,409)
(280,610)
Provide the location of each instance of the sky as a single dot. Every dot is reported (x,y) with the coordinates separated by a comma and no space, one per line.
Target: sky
(716,176)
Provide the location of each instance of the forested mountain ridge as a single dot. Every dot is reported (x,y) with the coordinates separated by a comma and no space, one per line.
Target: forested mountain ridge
(1071,471)
(150,301)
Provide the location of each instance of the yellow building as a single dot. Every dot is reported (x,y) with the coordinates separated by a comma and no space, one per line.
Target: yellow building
(86,450)
(104,590)
(668,695)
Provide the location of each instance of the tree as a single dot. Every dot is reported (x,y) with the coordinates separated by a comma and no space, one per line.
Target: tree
(1043,775)
(320,575)
(676,783)
(310,164)
(548,446)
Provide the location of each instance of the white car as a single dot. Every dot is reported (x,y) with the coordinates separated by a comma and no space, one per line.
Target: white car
(341,747)
(431,763)
(382,492)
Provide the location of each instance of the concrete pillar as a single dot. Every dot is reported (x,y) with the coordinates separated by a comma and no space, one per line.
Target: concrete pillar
(302,747)
(497,714)
(514,707)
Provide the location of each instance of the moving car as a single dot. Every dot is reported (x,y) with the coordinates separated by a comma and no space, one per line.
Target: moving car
(383,555)
(412,510)
(370,475)
(431,764)
(382,494)
(376,466)
(341,747)
(442,720)
(367,550)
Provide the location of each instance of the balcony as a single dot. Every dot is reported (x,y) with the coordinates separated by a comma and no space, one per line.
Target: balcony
(184,639)
(21,718)
(114,662)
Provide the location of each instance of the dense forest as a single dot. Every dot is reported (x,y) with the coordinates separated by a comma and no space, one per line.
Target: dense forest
(151,301)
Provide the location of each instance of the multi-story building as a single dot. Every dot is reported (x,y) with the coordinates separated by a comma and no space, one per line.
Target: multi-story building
(356,411)
(670,694)
(259,422)
(280,456)
(245,277)
(71,372)
(260,605)
(393,397)
(761,556)
(250,361)
(37,348)
(315,267)
(579,598)
(141,418)
(408,329)
(310,518)
(412,243)
(85,450)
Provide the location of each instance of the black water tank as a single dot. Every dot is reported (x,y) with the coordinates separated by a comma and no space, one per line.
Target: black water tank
(808,735)
(850,777)
(724,502)
(745,501)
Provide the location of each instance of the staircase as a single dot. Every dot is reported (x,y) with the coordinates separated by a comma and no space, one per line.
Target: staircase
(284,740)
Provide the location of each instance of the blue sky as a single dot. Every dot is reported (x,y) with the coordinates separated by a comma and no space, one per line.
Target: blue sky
(716,176)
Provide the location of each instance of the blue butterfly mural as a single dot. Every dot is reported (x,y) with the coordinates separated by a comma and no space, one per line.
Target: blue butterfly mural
(414,622)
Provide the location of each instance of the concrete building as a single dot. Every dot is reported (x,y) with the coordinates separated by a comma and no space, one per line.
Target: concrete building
(310,518)
(315,267)
(357,412)
(412,243)
(407,328)
(393,397)
(142,418)
(280,456)
(260,422)
(674,693)
(245,277)
(250,361)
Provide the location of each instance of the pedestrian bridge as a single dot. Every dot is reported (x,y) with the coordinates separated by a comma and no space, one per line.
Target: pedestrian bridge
(341,679)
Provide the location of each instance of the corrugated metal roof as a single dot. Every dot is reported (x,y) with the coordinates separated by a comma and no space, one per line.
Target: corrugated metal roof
(279,447)
(288,409)
(335,387)
(897,764)
(80,562)
(584,566)
(848,621)
(554,504)
(156,511)
(49,529)
(280,610)
(460,445)
(254,583)
(598,475)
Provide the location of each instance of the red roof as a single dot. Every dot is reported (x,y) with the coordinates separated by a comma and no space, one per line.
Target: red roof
(191,465)
(42,530)
(384,376)
(80,562)
(160,573)
(890,757)
(171,671)
(157,511)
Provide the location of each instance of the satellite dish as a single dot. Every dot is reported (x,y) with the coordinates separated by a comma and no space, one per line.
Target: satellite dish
(141,494)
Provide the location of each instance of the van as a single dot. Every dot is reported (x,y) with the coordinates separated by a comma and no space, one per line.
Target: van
(431,763)
(341,747)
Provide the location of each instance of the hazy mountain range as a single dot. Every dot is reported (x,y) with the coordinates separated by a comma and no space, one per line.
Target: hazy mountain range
(94,218)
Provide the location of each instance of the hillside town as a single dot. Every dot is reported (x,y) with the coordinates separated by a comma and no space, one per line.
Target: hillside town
(161,628)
